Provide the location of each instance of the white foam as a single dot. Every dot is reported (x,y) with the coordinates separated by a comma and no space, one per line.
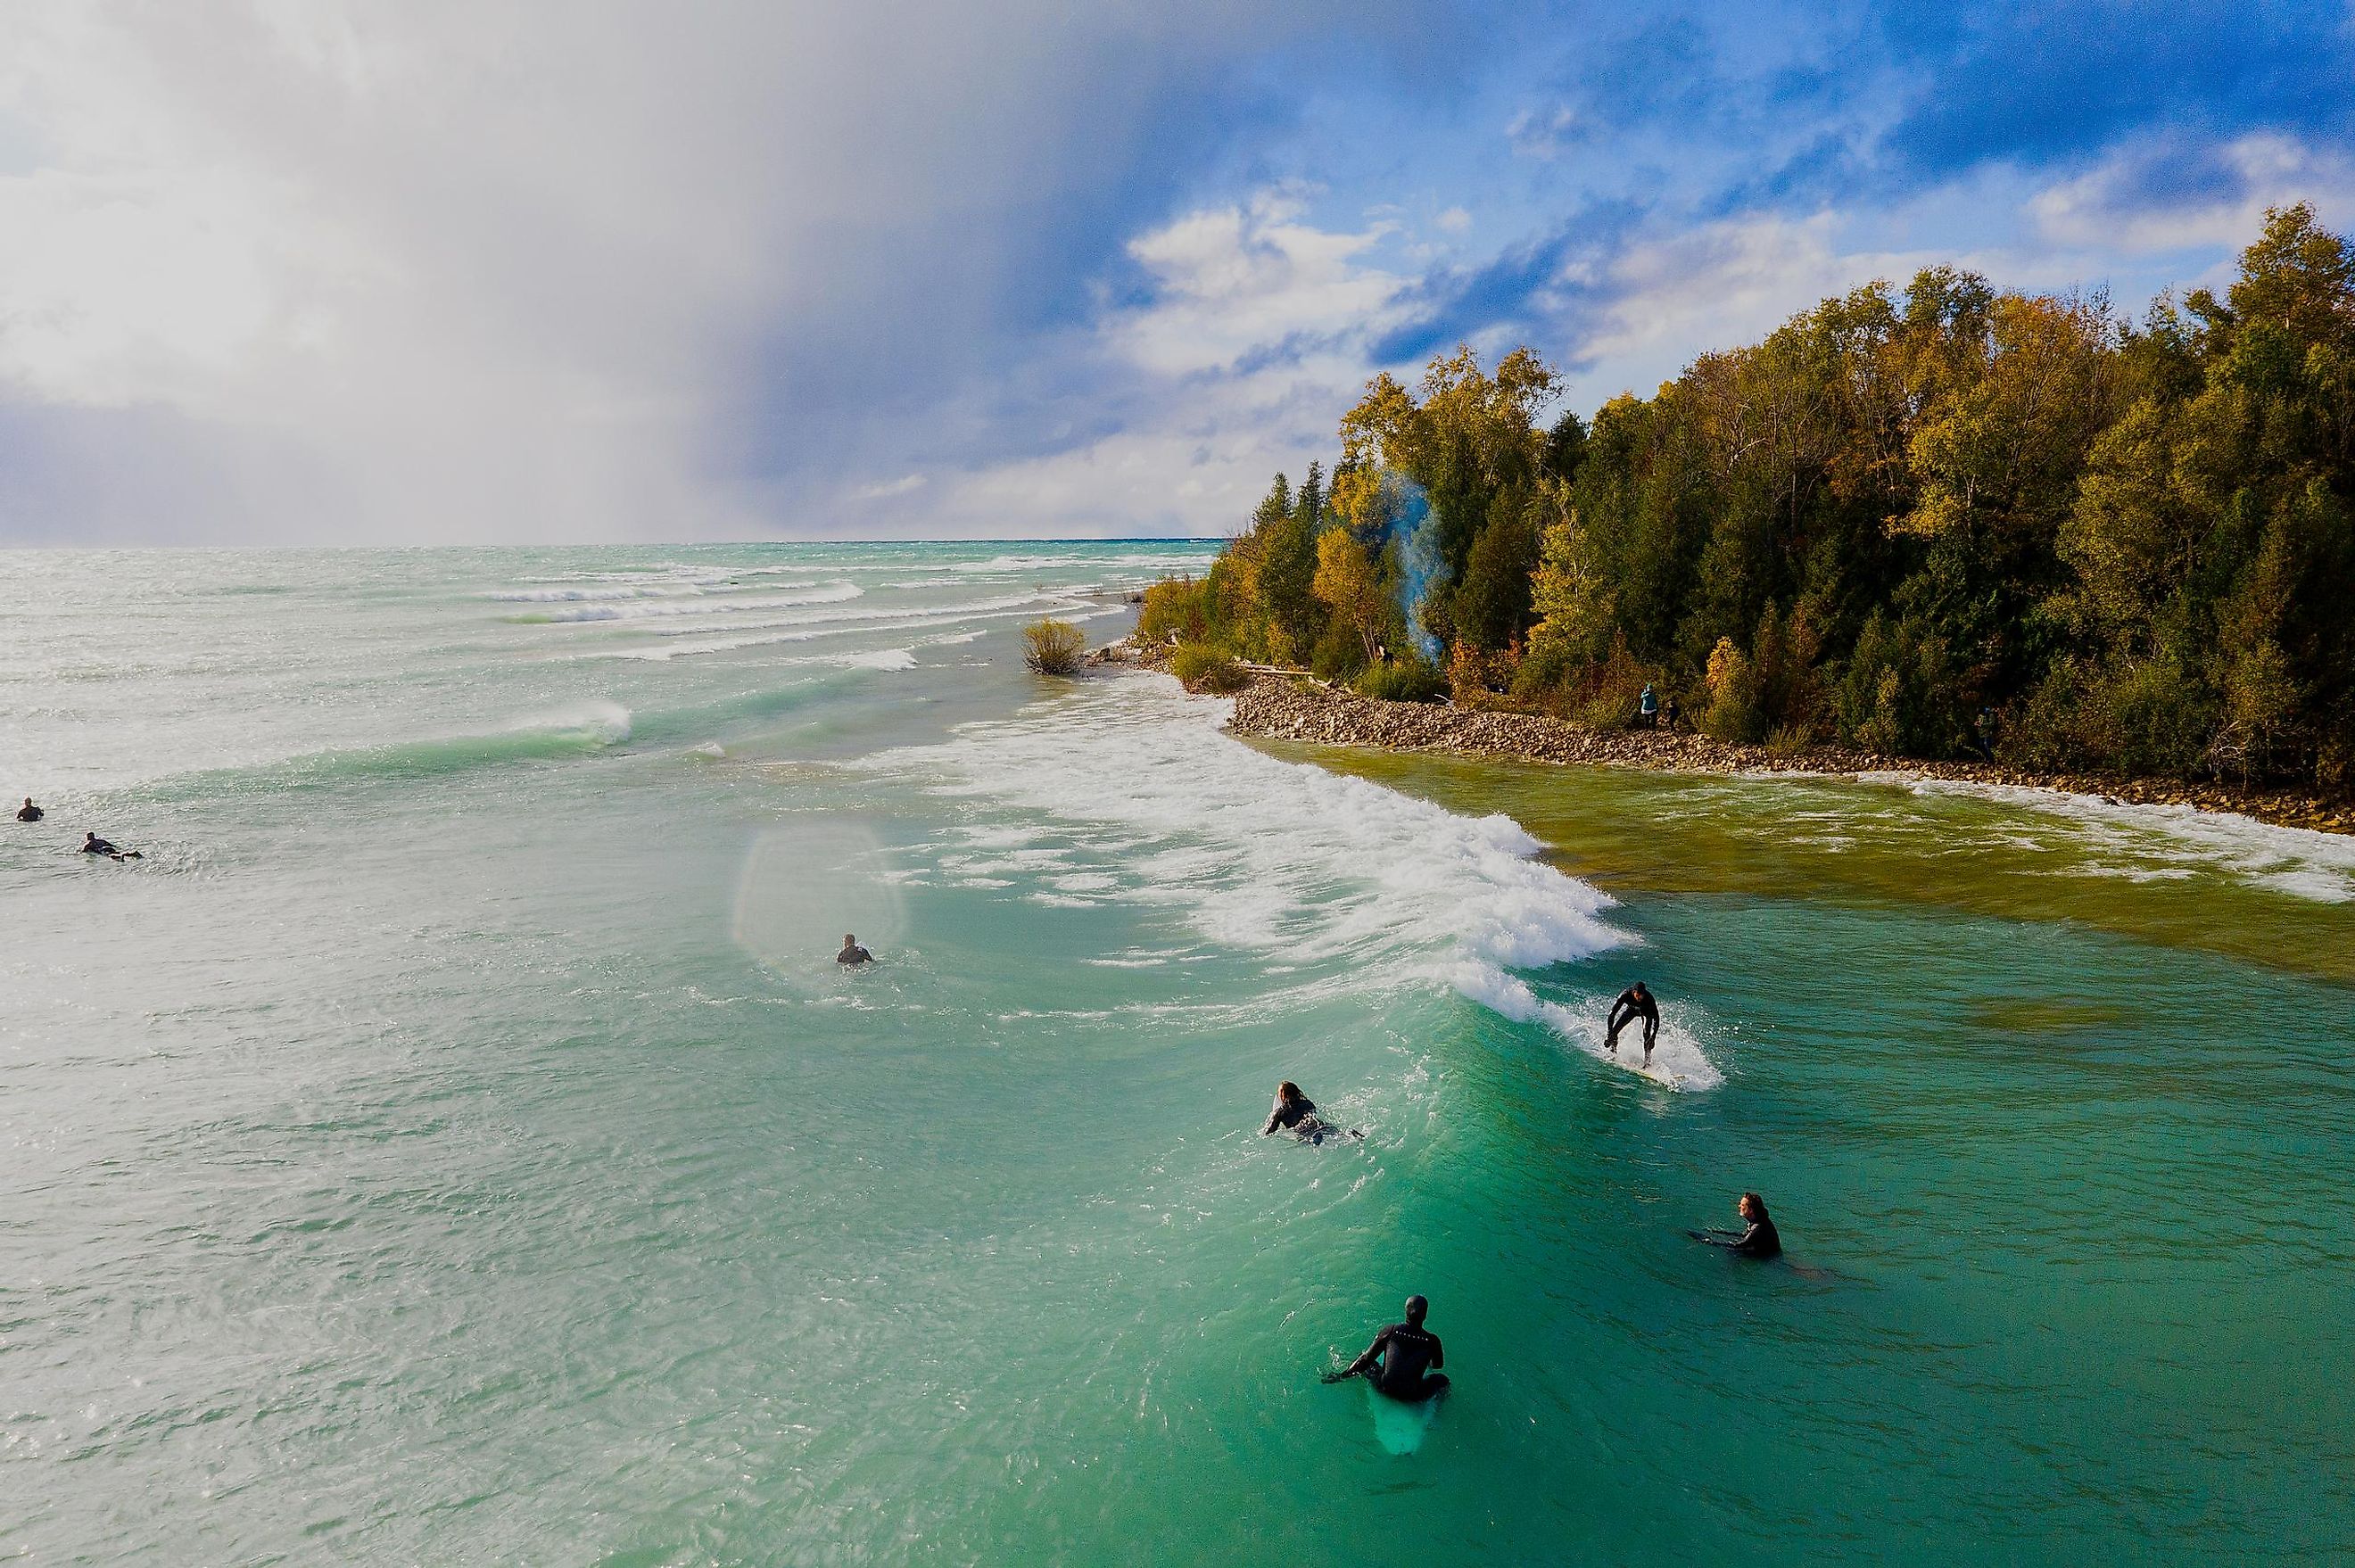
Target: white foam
(1200,561)
(807,628)
(1278,857)
(608,722)
(880,658)
(2144,843)
(1677,1057)
(713,608)
(571,595)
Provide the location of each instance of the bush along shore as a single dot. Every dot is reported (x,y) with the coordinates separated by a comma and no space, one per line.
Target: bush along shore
(1296,708)
(1977,534)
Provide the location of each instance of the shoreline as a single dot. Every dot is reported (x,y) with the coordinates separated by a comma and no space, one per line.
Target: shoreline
(1296,708)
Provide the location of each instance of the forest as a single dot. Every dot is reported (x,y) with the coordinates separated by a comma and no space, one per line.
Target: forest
(1906,521)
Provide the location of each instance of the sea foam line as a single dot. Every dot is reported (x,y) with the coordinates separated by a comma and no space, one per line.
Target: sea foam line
(2298,861)
(1285,857)
(701,605)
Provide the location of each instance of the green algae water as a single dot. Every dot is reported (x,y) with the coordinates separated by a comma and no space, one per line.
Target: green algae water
(453,1143)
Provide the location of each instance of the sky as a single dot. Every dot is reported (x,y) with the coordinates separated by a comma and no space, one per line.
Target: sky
(310,271)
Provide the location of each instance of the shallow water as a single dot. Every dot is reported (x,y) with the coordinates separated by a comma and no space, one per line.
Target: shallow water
(454,1143)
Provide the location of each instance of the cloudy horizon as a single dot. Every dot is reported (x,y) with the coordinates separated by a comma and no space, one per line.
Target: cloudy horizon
(327,274)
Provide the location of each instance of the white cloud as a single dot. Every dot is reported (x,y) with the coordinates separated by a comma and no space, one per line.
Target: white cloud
(1547,133)
(1256,338)
(456,270)
(2113,206)
(1235,281)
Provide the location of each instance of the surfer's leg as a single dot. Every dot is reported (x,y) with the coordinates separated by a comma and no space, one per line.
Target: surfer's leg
(1434,1385)
(1651,1033)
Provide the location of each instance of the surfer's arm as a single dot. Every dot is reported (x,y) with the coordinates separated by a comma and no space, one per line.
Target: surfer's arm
(1438,1356)
(1373,1353)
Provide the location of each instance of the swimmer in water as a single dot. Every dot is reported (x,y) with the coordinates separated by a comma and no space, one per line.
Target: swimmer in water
(1296,1113)
(1756,1239)
(91,844)
(852,952)
(28,812)
(1401,1359)
(1633,1003)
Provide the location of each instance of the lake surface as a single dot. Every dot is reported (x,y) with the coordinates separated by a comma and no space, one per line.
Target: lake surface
(453,1142)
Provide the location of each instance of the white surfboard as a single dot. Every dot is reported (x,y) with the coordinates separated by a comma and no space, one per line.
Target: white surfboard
(1399,1426)
(1677,1060)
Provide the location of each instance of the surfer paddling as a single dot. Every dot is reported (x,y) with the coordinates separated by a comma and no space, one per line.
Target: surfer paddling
(1633,1003)
(1296,1113)
(1400,1361)
(852,952)
(1756,1239)
(91,844)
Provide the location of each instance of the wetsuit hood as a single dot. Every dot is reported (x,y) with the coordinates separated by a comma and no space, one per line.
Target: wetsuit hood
(1417,1309)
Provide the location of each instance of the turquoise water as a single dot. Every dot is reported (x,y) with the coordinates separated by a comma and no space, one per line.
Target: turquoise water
(454,1144)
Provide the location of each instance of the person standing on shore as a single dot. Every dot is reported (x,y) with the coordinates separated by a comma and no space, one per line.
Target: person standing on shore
(1647,708)
(1669,714)
(1983,732)
(1633,1003)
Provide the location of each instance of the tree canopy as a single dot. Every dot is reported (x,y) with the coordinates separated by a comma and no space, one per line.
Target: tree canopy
(1906,518)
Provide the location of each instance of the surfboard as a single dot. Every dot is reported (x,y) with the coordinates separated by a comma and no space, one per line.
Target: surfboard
(1399,1427)
(1632,1061)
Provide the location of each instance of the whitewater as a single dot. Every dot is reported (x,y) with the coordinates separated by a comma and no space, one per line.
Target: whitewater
(454,1143)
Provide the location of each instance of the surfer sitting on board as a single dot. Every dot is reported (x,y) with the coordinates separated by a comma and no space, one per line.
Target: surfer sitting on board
(1296,1113)
(852,952)
(1399,1356)
(1633,1003)
(1757,1239)
(91,844)
(28,812)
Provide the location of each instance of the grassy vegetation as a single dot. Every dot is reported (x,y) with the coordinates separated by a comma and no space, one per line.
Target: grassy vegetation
(1054,647)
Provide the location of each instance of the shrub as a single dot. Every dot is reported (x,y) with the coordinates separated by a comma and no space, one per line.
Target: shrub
(1609,695)
(1179,604)
(1883,733)
(1054,647)
(1403,681)
(1201,667)
(1789,740)
(1340,655)
(2048,733)
(2150,717)
(1475,679)
(1734,706)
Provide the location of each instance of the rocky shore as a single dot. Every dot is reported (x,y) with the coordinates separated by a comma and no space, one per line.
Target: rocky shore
(1296,709)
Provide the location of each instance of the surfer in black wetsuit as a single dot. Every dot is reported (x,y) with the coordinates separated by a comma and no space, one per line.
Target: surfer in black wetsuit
(91,844)
(1756,1239)
(1633,1003)
(28,812)
(852,952)
(1401,1359)
(1296,1113)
